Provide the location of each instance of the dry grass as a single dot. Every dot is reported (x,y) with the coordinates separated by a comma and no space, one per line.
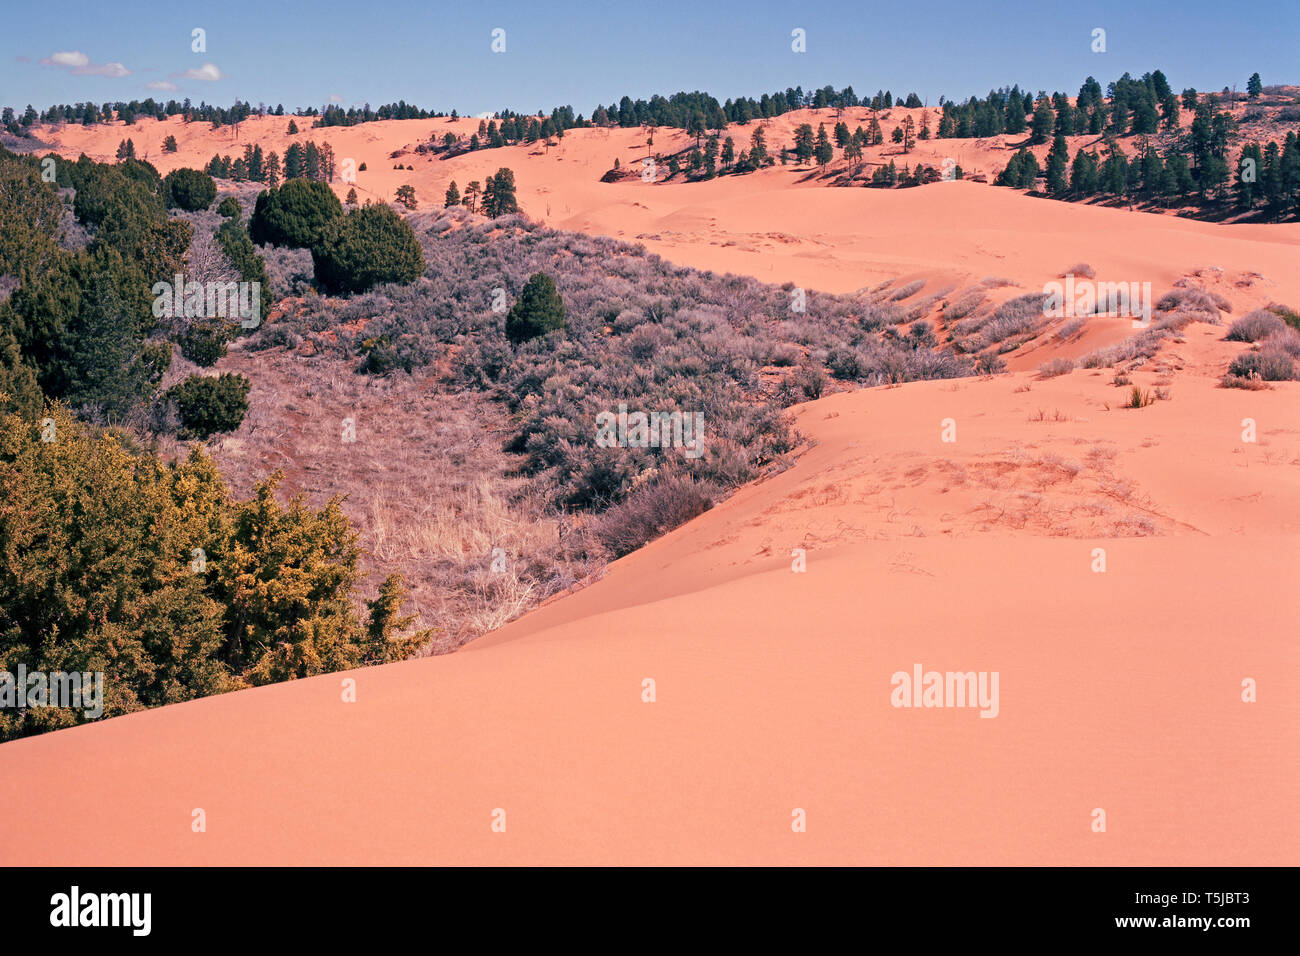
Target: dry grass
(426,481)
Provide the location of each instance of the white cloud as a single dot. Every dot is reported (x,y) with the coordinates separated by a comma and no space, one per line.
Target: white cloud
(103,69)
(336,98)
(208,72)
(68,58)
(78,64)
(161,85)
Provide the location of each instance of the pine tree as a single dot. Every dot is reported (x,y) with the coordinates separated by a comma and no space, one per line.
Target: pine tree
(538,311)
(1254,86)
(1083,175)
(824,151)
(452,197)
(909,134)
(271,170)
(757,149)
(803,143)
(293,161)
(406,196)
(711,157)
(1057,166)
(1169,111)
(499,194)
(1152,173)
(1015,112)
(1044,121)
(1114,172)
(471,195)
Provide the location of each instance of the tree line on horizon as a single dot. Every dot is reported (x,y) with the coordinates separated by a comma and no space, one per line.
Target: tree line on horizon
(1128,107)
(90,113)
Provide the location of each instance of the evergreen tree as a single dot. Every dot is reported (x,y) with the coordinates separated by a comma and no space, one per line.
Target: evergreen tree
(1152,174)
(823,151)
(1254,86)
(1169,110)
(452,197)
(1114,172)
(711,157)
(1014,118)
(1058,158)
(757,149)
(384,642)
(271,170)
(472,194)
(1250,169)
(538,311)
(293,162)
(804,144)
(1084,180)
(293,215)
(499,194)
(364,248)
(1177,180)
(1044,120)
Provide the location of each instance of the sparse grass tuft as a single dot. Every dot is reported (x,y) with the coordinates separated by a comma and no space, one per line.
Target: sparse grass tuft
(1139,398)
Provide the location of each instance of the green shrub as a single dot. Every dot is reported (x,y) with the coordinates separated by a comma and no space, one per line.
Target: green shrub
(190,189)
(243,255)
(165,582)
(1287,315)
(204,343)
(229,207)
(208,404)
(295,215)
(538,311)
(366,247)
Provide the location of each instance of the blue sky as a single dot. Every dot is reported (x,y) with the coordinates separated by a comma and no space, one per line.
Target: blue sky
(439,56)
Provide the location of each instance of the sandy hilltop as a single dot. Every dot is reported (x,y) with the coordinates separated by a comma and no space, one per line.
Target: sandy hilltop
(1122,570)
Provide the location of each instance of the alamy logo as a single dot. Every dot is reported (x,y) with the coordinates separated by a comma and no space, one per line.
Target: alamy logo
(945,689)
(653,430)
(134,910)
(209,300)
(1084,297)
(78,691)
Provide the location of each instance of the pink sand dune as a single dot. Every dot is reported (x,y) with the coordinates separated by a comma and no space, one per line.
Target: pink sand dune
(1118,690)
